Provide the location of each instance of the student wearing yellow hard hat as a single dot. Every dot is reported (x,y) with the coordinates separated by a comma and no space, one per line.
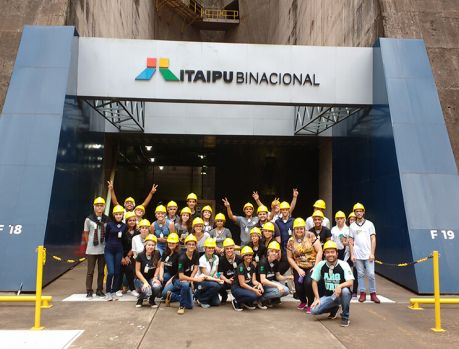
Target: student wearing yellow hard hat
(321,231)
(147,265)
(201,236)
(139,239)
(263,213)
(191,202)
(169,266)
(351,218)
(129,203)
(340,234)
(161,228)
(275,205)
(227,267)
(269,276)
(207,291)
(113,252)
(206,215)
(220,233)
(245,223)
(172,208)
(285,224)
(183,226)
(337,290)
(246,289)
(94,238)
(259,249)
(362,243)
(319,205)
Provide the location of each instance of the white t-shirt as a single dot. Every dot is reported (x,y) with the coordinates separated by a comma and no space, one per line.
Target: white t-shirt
(362,241)
(310,223)
(210,265)
(338,233)
(137,245)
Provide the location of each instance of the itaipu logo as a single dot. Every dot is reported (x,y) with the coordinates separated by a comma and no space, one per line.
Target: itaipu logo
(213,76)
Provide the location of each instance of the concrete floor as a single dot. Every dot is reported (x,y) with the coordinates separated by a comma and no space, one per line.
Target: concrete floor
(121,325)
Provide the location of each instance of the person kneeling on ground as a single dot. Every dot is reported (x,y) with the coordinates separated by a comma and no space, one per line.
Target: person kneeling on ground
(207,291)
(269,275)
(147,271)
(338,278)
(227,267)
(246,289)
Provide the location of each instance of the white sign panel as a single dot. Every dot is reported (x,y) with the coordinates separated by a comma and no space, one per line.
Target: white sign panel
(225,73)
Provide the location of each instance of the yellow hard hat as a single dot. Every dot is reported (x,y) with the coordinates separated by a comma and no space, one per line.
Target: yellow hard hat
(274,245)
(246,250)
(248,204)
(128,215)
(274,203)
(192,196)
(185,210)
(140,207)
(144,223)
(173,238)
(190,237)
(207,208)
(340,214)
(171,204)
(210,243)
(129,199)
(320,204)
(358,206)
(228,242)
(284,205)
(318,213)
(352,214)
(330,244)
(118,209)
(255,230)
(299,223)
(151,237)
(220,217)
(98,201)
(262,208)
(160,208)
(196,221)
(268,226)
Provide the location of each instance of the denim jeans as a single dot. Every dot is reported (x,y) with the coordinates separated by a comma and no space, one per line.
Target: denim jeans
(329,304)
(273,292)
(363,265)
(207,292)
(243,296)
(113,261)
(166,278)
(182,293)
(154,290)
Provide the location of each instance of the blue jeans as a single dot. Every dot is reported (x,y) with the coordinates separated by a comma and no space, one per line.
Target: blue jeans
(243,296)
(154,290)
(182,293)
(361,265)
(113,261)
(207,292)
(328,304)
(166,278)
(161,248)
(273,292)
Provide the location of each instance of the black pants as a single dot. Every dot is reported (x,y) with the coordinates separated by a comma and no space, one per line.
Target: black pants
(127,270)
(92,259)
(224,291)
(284,265)
(354,271)
(304,289)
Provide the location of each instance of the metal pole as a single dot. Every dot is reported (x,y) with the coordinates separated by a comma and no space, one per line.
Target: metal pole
(436,275)
(40,259)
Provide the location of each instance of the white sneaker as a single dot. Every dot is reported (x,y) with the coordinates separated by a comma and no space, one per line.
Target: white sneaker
(108,297)
(134,293)
(114,297)
(119,293)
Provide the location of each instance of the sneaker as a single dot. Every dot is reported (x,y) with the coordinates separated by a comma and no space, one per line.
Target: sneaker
(119,293)
(181,311)
(139,303)
(301,306)
(363,297)
(249,306)
(152,302)
(89,294)
(204,305)
(261,306)
(236,305)
(99,293)
(168,298)
(345,322)
(333,314)
(108,297)
(134,293)
(114,296)
(307,309)
(374,298)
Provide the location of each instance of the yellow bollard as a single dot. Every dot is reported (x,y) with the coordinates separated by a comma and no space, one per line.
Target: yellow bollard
(436,274)
(40,262)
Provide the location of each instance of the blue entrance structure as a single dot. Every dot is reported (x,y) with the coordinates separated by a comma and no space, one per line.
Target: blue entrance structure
(396,159)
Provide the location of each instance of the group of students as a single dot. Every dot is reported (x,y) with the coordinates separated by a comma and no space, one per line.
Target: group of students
(191,256)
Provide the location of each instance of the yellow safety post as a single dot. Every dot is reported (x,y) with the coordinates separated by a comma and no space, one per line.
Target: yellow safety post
(436,274)
(44,300)
(41,256)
